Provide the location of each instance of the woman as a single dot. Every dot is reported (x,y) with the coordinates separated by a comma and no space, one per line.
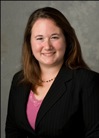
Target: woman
(55,94)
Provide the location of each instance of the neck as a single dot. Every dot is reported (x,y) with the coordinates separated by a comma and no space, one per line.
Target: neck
(49,73)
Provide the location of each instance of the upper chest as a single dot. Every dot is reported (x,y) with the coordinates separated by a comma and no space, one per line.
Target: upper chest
(41,91)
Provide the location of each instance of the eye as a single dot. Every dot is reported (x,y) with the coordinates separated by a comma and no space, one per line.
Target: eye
(54,37)
(39,38)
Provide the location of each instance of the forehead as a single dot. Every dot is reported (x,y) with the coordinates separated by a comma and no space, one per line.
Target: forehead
(43,24)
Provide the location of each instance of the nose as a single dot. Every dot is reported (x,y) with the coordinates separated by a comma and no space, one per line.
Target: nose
(47,44)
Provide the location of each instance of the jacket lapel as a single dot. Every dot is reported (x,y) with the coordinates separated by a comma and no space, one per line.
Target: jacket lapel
(55,92)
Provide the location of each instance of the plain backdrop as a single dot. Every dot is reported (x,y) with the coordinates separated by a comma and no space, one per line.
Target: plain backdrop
(83,16)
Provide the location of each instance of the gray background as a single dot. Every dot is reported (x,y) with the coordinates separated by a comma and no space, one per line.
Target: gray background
(84,17)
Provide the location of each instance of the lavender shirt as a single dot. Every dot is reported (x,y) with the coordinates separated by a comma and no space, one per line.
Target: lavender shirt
(33,106)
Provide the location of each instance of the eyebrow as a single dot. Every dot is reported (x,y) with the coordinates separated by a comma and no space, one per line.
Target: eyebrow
(56,34)
(38,36)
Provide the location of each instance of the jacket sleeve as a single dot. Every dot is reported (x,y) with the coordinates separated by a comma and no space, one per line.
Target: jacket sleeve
(90,104)
(11,130)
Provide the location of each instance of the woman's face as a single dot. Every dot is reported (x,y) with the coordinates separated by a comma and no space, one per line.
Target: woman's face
(47,42)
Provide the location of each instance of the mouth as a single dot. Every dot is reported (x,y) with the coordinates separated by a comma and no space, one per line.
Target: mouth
(48,54)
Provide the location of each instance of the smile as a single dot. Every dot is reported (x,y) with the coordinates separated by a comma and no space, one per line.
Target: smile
(48,54)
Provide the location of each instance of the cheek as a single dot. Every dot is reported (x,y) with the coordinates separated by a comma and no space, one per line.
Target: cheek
(35,47)
(61,46)
(35,51)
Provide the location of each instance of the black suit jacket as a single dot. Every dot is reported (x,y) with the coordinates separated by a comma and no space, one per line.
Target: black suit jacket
(70,108)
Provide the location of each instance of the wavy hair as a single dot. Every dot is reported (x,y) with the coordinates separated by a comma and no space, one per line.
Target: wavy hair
(73,56)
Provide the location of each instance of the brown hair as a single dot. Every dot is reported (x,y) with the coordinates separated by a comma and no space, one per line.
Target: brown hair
(73,56)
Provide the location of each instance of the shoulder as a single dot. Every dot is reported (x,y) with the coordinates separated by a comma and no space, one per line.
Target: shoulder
(79,75)
(85,73)
(86,76)
(18,74)
(17,77)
